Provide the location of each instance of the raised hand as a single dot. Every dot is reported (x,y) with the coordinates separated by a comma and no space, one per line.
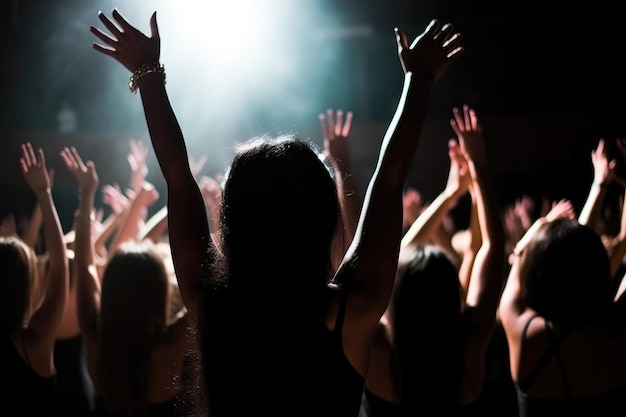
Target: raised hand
(412,205)
(211,190)
(459,178)
(336,127)
(8,225)
(138,166)
(523,208)
(33,166)
(85,173)
(125,43)
(335,132)
(603,167)
(147,195)
(603,174)
(469,132)
(560,209)
(113,197)
(429,55)
(512,223)
(196,165)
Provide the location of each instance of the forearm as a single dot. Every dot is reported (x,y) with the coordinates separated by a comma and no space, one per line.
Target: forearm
(511,302)
(617,251)
(468,256)
(404,131)
(129,228)
(349,198)
(53,232)
(87,281)
(185,204)
(379,231)
(165,132)
(83,218)
(189,235)
(156,226)
(590,213)
(425,226)
(33,227)
(486,279)
(109,227)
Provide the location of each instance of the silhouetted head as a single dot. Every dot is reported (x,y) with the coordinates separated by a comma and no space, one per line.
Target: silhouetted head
(134,311)
(427,285)
(425,312)
(18,272)
(280,212)
(565,273)
(135,290)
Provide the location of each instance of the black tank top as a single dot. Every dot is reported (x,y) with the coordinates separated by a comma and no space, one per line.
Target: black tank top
(604,405)
(24,391)
(295,369)
(74,394)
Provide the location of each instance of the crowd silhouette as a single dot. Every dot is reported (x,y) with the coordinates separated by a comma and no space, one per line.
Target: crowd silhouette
(278,285)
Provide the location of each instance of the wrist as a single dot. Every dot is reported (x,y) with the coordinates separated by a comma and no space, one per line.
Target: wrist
(146,69)
(44,191)
(453,194)
(85,215)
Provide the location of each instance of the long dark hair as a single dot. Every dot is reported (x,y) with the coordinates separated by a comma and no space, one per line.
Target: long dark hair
(565,274)
(425,312)
(280,211)
(280,215)
(134,310)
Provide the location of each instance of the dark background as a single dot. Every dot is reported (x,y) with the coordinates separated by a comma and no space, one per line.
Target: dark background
(545,77)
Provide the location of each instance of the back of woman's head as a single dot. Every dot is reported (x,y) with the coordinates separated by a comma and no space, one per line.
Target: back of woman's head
(18,271)
(280,212)
(565,273)
(135,290)
(425,312)
(134,310)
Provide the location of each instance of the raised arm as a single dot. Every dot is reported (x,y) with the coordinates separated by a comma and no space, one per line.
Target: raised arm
(31,233)
(190,241)
(156,226)
(119,204)
(336,133)
(431,218)
(88,288)
(211,188)
(617,246)
(603,173)
(141,195)
(373,256)
(487,274)
(46,321)
(133,223)
(475,241)
(137,159)
(511,303)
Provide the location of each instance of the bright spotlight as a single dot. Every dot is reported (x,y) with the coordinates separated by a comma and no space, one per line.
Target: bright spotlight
(239,39)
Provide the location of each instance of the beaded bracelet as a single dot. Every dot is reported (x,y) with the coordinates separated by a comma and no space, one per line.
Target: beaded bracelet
(145,69)
(91,216)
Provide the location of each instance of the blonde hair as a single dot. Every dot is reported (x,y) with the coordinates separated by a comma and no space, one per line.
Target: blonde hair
(134,310)
(18,263)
